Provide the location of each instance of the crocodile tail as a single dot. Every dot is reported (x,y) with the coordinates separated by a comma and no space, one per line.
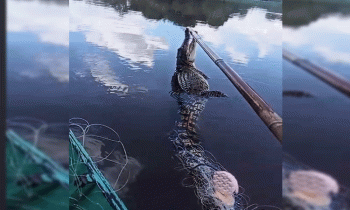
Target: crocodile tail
(212,94)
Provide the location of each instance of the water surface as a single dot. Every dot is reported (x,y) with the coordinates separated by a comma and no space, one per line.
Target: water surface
(37,91)
(122,58)
(316,129)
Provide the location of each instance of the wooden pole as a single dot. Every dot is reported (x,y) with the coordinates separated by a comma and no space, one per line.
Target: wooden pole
(336,81)
(271,119)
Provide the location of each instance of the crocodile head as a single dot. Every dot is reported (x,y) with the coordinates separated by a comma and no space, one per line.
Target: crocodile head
(186,54)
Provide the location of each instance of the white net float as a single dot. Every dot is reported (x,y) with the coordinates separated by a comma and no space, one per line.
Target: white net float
(226,186)
(313,187)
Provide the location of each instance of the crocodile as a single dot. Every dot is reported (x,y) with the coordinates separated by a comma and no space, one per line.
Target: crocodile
(193,159)
(304,188)
(191,91)
(187,78)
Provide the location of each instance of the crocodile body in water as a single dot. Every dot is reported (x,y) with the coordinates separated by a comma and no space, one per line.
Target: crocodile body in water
(215,187)
(191,89)
(187,78)
(303,187)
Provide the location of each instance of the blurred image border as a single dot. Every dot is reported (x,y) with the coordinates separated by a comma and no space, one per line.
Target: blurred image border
(3,104)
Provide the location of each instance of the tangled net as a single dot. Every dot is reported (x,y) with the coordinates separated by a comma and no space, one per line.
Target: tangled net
(216,188)
(307,188)
(107,152)
(37,164)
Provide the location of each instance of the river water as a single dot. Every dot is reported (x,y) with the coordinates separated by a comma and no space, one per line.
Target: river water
(121,56)
(38,60)
(316,130)
(37,95)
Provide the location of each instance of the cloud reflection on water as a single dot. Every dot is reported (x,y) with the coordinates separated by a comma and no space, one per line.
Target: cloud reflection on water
(328,37)
(100,70)
(265,33)
(123,34)
(57,64)
(50,23)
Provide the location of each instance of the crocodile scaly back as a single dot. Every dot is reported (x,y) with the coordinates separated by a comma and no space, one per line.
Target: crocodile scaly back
(187,78)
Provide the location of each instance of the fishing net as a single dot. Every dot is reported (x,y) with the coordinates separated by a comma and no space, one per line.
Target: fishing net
(99,166)
(307,188)
(215,187)
(37,164)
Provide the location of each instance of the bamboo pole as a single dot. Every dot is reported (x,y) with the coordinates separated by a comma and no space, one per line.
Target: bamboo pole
(271,119)
(336,81)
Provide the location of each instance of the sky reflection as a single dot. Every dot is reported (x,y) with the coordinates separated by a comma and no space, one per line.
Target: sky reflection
(252,28)
(327,37)
(125,34)
(49,22)
(102,72)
